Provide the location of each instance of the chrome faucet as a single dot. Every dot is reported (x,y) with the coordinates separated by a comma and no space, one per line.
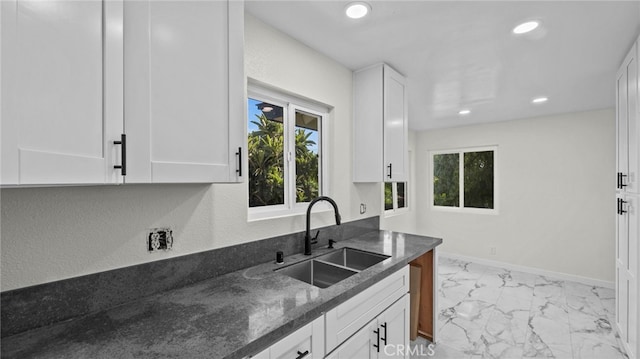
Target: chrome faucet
(307,237)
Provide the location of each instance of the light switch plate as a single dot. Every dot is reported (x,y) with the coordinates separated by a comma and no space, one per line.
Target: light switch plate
(160,239)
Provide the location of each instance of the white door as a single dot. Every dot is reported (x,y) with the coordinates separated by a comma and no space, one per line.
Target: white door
(394,329)
(360,346)
(631,208)
(625,83)
(395,126)
(184,98)
(633,124)
(61,91)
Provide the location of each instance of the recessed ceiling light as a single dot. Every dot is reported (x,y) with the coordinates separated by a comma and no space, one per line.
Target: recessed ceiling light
(525,27)
(357,10)
(539,100)
(464,112)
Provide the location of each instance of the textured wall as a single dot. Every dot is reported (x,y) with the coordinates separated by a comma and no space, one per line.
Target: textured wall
(55,233)
(556,194)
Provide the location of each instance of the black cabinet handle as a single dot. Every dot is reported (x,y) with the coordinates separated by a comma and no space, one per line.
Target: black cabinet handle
(618,199)
(302,355)
(622,202)
(377,345)
(385,333)
(390,174)
(619,179)
(123,161)
(239,169)
(621,184)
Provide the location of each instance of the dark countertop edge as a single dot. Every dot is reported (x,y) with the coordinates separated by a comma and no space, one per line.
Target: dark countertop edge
(277,334)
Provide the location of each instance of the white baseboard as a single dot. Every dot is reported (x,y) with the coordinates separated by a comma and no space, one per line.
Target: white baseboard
(531,270)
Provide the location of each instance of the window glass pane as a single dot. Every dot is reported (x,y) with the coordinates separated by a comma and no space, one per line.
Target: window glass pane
(478,179)
(388,196)
(266,154)
(446,181)
(401,194)
(307,134)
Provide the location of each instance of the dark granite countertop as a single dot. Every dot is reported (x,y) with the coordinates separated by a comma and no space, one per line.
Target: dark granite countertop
(231,316)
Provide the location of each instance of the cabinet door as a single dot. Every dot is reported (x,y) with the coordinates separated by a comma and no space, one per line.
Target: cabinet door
(361,345)
(626,115)
(184,90)
(633,230)
(394,329)
(627,232)
(395,126)
(61,91)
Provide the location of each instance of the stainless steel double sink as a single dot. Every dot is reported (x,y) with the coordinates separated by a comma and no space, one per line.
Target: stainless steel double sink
(331,268)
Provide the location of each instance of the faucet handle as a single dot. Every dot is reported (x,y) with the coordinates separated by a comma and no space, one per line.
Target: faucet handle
(331,243)
(315,238)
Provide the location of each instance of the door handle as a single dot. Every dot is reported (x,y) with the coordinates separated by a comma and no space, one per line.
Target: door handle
(123,154)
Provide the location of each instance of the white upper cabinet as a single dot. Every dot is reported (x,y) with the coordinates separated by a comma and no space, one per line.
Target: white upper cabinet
(77,75)
(380,125)
(627,126)
(184,90)
(61,92)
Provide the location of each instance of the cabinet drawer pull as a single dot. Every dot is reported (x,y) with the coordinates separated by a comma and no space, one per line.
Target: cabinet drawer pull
(384,339)
(377,345)
(302,355)
(123,160)
(239,169)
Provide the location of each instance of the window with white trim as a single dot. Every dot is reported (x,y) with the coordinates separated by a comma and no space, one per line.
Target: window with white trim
(464,179)
(395,196)
(285,137)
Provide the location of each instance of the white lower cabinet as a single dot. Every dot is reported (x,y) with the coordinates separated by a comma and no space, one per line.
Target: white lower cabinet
(372,324)
(307,342)
(387,336)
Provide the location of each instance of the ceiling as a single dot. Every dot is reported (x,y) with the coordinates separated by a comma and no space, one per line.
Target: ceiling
(462,55)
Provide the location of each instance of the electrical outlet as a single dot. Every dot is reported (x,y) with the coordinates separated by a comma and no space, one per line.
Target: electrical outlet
(363,208)
(493,251)
(160,239)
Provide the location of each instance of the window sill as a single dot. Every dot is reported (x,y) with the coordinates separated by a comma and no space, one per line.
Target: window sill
(266,213)
(394,213)
(465,210)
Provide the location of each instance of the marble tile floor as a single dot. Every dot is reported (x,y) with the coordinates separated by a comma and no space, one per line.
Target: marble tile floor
(490,312)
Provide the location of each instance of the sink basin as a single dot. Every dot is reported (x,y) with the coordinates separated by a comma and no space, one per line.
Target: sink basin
(329,269)
(353,258)
(317,273)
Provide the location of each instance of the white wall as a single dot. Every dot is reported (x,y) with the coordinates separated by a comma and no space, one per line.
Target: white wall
(55,233)
(556,194)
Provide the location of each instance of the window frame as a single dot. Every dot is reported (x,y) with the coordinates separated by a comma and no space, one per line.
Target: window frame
(461,209)
(291,103)
(394,197)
